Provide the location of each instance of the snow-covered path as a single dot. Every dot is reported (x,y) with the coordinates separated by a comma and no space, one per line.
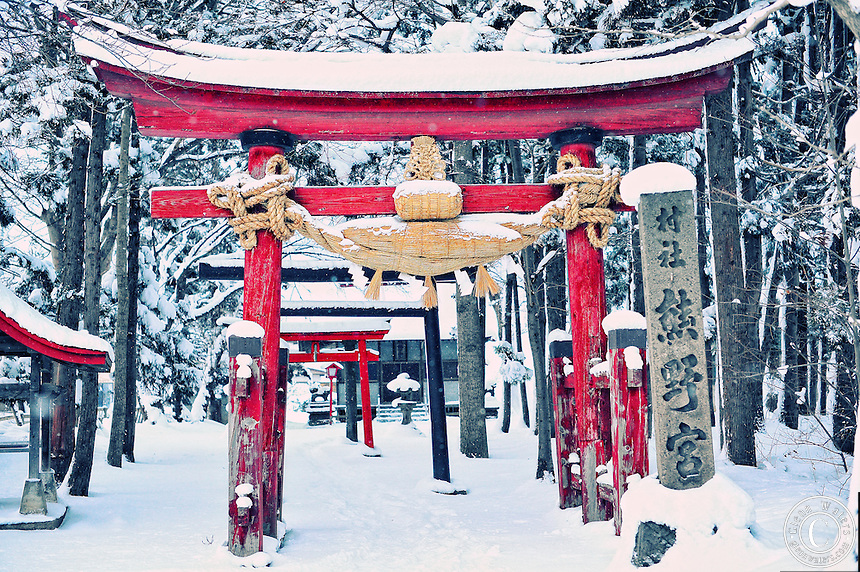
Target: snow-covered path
(349,512)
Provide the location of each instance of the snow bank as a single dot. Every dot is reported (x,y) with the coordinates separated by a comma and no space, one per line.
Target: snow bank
(711,525)
(655,178)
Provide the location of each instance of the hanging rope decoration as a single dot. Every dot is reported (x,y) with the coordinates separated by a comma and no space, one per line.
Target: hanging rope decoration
(429,237)
(425,161)
(259,204)
(586,198)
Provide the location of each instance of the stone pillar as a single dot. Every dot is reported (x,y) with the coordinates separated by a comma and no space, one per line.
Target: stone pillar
(676,345)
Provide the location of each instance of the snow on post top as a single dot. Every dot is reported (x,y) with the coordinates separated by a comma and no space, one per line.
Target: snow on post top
(245,329)
(623,320)
(655,178)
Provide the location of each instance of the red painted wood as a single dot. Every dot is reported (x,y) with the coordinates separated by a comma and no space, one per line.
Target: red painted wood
(191,202)
(262,304)
(172,108)
(309,357)
(280,433)
(366,414)
(55,351)
(587,309)
(245,463)
(569,494)
(622,457)
(332,336)
(637,415)
(629,427)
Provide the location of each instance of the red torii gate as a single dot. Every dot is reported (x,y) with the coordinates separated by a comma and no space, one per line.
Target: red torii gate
(188,90)
(362,355)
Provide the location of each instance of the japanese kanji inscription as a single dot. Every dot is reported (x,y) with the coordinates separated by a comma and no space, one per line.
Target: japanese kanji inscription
(670,267)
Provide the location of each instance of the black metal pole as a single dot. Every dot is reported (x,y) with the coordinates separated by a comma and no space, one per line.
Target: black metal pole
(351,397)
(438,427)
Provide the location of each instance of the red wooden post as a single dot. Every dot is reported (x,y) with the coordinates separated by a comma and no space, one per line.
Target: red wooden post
(281,427)
(245,466)
(569,485)
(629,412)
(587,310)
(366,411)
(262,304)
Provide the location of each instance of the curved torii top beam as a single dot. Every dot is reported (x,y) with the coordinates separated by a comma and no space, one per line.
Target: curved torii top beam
(189,89)
(26,331)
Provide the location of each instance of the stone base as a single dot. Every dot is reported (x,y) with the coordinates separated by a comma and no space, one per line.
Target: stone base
(33,500)
(653,539)
(49,484)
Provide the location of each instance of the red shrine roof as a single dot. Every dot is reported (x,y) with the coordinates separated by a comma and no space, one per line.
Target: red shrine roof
(30,331)
(189,89)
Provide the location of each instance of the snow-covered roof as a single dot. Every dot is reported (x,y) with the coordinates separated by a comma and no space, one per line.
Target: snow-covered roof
(104,41)
(24,324)
(189,89)
(331,324)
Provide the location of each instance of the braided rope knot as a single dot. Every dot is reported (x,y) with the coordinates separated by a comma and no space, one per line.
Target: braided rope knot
(259,204)
(586,199)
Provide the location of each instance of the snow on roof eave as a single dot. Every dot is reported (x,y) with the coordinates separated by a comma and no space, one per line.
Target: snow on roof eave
(477,72)
(39,326)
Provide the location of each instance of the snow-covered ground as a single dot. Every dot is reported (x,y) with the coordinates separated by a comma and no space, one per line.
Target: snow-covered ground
(346,511)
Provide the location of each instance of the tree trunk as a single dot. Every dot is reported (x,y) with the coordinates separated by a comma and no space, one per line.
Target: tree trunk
(470,355)
(751,236)
(79,476)
(638,158)
(519,177)
(736,325)
(118,428)
(791,381)
(134,214)
(518,346)
(69,305)
(470,341)
(537,339)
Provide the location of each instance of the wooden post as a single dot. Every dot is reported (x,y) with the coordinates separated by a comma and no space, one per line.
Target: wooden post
(566,444)
(281,427)
(436,390)
(366,411)
(33,499)
(46,473)
(262,305)
(587,310)
(629,411)
(245,466)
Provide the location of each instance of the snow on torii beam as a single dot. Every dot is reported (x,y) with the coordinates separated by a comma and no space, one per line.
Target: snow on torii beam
(189,89)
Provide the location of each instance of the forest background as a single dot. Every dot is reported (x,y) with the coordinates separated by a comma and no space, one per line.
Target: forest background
(776,227)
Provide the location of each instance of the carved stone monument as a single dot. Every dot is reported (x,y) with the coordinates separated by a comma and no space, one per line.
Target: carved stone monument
(676,345)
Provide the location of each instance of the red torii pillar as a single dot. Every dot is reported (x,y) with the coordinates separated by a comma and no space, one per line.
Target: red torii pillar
(262,304)
(587,288)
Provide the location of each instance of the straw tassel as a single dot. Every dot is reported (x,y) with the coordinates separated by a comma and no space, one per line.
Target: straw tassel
(431,300)
(484,283)
(375,287)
